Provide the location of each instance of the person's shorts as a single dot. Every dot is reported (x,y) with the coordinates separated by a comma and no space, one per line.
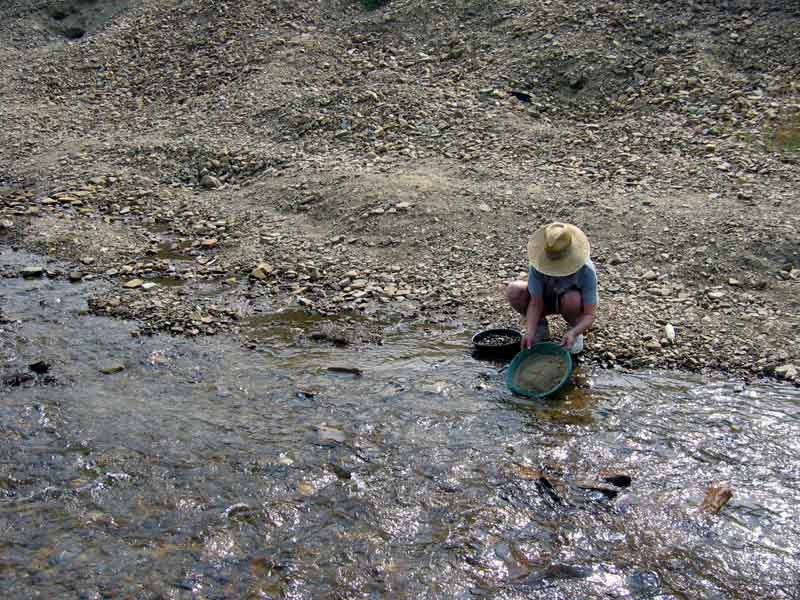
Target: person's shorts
(552,302)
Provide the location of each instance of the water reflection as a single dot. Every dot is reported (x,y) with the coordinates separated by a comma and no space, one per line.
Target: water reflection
(206,470)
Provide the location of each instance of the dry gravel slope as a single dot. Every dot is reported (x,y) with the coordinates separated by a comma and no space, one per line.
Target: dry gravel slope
(652,125)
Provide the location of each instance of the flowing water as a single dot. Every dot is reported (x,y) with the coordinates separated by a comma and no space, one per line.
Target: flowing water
(206,470)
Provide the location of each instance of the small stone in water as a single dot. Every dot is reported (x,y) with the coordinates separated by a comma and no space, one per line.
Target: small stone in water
(716,498)
(111,368)
(33,271)
(39,367)
(354,371)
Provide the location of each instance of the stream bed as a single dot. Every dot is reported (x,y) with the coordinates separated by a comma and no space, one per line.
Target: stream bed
(168,467)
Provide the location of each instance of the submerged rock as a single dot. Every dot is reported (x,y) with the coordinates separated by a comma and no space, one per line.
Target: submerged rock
(111,368)
(40,366)
(354,371)
(717,497)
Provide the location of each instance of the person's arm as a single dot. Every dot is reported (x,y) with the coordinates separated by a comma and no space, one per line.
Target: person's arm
(582,324)
(532,316)
(535,307)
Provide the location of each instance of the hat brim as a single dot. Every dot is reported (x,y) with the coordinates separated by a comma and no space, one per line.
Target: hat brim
(567,264)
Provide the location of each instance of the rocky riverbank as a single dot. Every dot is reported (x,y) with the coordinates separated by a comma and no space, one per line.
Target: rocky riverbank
(216,163)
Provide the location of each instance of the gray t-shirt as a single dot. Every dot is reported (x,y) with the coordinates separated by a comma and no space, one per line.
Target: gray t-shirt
(584,280)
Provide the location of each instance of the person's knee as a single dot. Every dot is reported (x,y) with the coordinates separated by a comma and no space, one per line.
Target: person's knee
(516,294)
(571,304)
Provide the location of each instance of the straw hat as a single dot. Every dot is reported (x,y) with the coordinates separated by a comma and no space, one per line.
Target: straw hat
(558,249)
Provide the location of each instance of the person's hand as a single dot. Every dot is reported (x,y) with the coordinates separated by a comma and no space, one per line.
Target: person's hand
(568,340)
(527,341)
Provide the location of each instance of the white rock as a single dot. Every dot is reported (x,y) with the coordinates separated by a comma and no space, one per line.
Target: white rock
(669,332)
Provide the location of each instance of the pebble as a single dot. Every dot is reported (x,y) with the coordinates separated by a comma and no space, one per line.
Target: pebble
(669,332)
(75,276)
(210,182)
(787,371)
(650,276)
(133,283)
(262,271)
(716,294)
(111,368)
(653,345)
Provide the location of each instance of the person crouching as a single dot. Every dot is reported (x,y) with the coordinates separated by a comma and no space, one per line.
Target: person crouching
(561,281)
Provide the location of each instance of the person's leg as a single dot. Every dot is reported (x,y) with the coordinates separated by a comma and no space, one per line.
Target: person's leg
(570,306)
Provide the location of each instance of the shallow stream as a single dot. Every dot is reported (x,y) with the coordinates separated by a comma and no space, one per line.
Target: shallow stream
(206,470)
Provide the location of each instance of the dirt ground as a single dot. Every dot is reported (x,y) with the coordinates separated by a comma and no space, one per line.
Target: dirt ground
(213,162)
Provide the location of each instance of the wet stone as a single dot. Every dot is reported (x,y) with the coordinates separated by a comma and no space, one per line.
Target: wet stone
(354,371)
(32,271)
(716,498)
(111,367)
(40,366)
